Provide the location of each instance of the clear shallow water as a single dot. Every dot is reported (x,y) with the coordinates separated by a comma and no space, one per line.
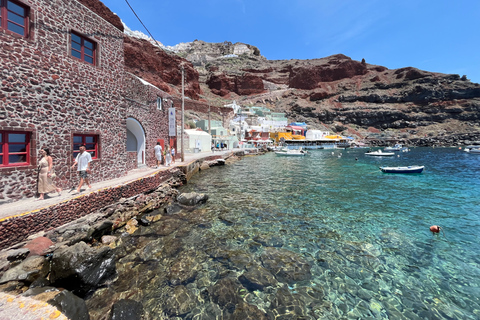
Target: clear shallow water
(318,237)
(364,233)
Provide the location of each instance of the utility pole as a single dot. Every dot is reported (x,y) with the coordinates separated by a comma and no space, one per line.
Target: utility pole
(209,126)
(183,108)
(240,123)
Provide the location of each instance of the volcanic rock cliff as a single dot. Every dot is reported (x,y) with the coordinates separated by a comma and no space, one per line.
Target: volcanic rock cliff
(337,93)
(350,97)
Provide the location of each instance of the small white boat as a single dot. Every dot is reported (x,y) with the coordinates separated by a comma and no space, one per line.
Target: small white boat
(291,152)
(409,169)
(379,153)
(472,149)
(397,147)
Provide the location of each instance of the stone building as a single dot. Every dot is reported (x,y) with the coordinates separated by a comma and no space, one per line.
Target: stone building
(63,83)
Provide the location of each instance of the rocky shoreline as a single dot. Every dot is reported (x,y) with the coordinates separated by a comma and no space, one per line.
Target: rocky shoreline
(452,140)
(66,265)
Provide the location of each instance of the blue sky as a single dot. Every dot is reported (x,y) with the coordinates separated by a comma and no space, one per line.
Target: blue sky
(432,35)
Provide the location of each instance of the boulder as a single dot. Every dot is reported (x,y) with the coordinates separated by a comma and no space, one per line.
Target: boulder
(17,254)
(70,305)
(39,246)
(192,198)
(41,293)
(28,271)
(108,239)
(81,268)
(100,229)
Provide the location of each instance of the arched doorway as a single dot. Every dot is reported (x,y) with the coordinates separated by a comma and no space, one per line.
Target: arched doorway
(136,139)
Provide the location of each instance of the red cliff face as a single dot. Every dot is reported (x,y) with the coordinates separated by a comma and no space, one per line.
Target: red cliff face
(160,68)
(297,74)
(309,77)
(104,12)
(336,92)
(244,85)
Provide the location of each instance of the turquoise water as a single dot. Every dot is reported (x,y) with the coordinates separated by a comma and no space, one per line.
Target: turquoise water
(341,238)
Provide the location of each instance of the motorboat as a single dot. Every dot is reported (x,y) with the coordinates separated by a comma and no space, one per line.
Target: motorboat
(396,147)
(409,169)
(472,149)
(380,153)
(291,152)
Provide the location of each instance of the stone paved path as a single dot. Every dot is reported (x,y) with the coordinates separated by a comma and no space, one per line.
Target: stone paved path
(24,308)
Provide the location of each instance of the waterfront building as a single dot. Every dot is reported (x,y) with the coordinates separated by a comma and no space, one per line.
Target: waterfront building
(64,84)
(196,141)
(219,133)
(203,124)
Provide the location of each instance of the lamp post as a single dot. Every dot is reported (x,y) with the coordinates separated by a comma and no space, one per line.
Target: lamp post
(183,107)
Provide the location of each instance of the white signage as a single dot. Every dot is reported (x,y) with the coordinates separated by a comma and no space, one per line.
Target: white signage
(172,124)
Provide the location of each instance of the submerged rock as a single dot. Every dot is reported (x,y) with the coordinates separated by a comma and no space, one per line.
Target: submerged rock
(257,278)
(208,311)
(286,305)
(225,293)
(286,265)
(246,311)
(185,268)
(192,199)
(181,302)
(126,309)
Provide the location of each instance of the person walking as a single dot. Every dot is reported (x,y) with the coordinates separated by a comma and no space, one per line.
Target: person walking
(45,175)
(158,154)
(82,161)
(173,155)
(168,157)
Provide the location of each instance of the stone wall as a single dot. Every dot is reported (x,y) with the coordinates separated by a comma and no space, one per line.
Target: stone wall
(53,95)
(141,101)
(16,229)
(132,160)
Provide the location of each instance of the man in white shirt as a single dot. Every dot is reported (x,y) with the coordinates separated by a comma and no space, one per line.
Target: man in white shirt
(158,154)
(82,161)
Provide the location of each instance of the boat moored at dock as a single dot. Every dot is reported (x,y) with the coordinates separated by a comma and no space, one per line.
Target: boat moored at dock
(291,152)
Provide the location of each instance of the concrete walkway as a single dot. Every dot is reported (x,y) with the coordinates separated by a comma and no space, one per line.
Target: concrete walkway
(29,205)
(24,308)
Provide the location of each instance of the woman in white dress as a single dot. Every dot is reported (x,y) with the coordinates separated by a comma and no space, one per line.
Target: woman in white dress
(45,183)
(168,157)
